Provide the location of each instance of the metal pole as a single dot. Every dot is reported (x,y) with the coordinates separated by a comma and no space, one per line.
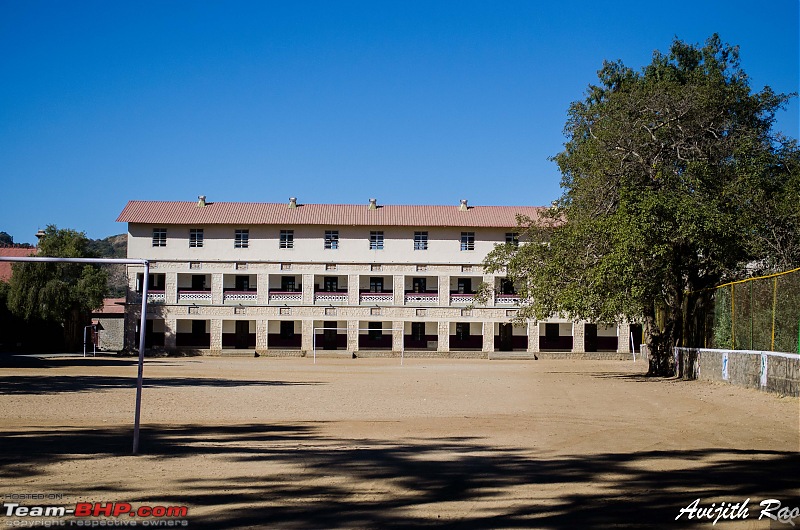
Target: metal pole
(142,326)
(402,343)
(84,341)
(633,348)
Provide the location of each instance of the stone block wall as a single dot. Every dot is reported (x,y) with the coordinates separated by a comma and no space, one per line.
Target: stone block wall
(744,368)
(112,336)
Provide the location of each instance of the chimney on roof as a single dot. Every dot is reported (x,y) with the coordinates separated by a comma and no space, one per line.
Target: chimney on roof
(463,206)
(201,201)
(373,204)
(292,202)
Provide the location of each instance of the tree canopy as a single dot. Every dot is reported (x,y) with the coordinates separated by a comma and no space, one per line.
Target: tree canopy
(61,292)
(673,179)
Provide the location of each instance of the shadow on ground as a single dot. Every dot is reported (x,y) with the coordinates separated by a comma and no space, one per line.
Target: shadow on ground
(314,481)
(34,384)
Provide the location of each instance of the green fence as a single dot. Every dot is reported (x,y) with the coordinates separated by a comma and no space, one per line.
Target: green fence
(759,313)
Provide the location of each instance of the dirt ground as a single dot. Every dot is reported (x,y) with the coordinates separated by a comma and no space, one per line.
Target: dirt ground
(367,443)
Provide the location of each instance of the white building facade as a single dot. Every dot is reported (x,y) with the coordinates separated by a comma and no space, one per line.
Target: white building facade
(357,280)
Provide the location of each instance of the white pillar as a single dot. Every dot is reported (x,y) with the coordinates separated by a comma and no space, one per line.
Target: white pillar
(443,342)
(624,337)
(579,336)
(262,337)
(444,292)
(308,290)
(170,337)
(216,334)
(307,332)
(399,289)
(397,335)
(352,335)
(533,336)
(488,337)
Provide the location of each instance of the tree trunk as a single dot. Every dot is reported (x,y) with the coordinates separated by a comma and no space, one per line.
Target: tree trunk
(660,342)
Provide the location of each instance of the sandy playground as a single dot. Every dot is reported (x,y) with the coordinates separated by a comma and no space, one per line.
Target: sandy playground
(367,443)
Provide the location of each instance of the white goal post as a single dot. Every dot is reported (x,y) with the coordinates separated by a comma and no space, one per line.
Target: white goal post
(323,328)
(142,323)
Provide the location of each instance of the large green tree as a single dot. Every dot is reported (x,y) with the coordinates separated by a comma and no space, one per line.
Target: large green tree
(62,292)
(666,174)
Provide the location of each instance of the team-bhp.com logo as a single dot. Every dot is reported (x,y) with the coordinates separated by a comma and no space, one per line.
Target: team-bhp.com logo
(154,514)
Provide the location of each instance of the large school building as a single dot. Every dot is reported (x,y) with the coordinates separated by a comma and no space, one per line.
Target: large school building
(363,279)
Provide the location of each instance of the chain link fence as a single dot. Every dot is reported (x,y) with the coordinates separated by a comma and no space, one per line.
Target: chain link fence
(759,314)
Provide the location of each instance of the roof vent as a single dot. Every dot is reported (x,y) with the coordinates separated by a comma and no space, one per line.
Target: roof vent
(463,206)
(292,202)
(201,201)
(373,204)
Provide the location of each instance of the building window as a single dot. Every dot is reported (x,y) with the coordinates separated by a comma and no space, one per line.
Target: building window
(420,240)
(418,331)
(467,240)
(376,284)
(330,284)
(331,239)
(159,237)
(287,329)
(241,239)
(512,238)
(375,330)
(462,330)
(195,237)
(288,284)
(287,239)
(507,287)
(376,240)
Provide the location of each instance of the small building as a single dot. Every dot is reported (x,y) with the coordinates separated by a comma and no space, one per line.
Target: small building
(109,322)
(14,251)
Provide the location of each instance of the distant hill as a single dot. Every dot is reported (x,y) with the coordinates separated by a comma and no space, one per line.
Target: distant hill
(110,247)
(113,247)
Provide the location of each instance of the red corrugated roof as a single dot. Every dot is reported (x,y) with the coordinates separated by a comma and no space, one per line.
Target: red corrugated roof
(12,252)
(112,306)
(250,213)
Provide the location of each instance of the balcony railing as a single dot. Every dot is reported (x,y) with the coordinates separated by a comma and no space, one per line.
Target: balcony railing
(194,296)
(462,298)
(421,298)
(377,298)
(506,299)
(285,296)
(153,296)
(156,297)
(239,296)
(328,296)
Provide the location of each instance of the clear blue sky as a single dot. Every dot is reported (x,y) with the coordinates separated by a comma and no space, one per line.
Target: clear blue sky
(333,102)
